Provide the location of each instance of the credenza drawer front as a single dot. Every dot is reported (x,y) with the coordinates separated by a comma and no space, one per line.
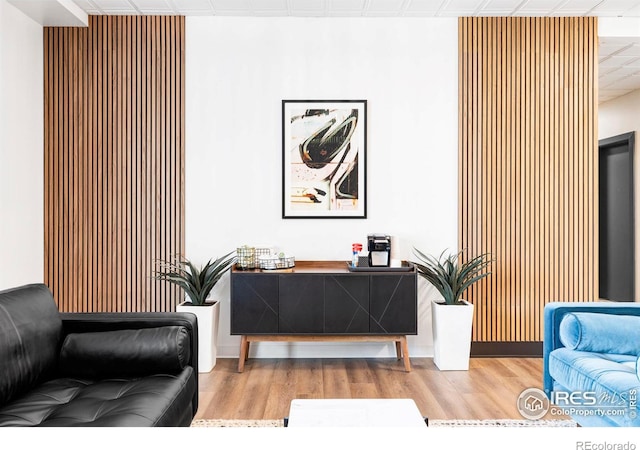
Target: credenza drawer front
(346,304)
(254,304)
(301,304)
(393,308)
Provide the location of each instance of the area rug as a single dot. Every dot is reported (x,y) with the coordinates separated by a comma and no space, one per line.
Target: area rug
(223,423)
(432,423)
(502,423)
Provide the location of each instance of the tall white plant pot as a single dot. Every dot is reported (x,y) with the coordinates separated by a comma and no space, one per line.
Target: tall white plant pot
(452,335)
(208,317)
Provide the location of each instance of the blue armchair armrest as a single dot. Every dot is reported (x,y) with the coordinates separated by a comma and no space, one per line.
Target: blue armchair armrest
(553,314)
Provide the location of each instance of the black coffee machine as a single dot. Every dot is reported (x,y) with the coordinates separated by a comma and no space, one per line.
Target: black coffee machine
(379,246)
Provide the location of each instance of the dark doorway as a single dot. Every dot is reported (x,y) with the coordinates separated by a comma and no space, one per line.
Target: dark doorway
(617,225)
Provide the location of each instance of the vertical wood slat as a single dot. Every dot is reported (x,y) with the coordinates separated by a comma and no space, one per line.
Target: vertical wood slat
(527,164)
(114,161)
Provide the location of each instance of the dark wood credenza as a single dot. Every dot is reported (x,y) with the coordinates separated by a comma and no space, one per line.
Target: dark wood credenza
(323,301)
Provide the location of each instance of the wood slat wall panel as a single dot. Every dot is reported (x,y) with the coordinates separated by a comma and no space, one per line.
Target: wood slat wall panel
(114,161)
(527,165)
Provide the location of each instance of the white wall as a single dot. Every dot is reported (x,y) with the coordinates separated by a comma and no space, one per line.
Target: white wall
(238,72)
(21,149)
(618,116)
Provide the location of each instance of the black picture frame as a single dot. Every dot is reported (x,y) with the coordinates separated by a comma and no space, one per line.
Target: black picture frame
(324,159)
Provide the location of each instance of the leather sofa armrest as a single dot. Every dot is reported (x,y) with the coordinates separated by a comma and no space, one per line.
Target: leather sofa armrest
(98,322)
(125,353)
(94,322)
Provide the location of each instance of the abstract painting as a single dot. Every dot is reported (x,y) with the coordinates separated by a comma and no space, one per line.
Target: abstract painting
(324,158)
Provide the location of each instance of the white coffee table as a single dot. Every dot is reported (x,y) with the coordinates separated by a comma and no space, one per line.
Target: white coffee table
(401,412)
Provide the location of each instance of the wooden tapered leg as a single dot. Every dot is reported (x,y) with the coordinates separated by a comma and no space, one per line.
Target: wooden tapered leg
(244,351)
(398,350)
(405,354)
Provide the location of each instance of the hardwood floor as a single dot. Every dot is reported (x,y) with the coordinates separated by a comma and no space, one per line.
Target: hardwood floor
(264,390)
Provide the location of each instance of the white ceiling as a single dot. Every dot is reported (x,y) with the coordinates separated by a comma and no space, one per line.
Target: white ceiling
(619,57)
(58,13)
(619,71)
(367,8)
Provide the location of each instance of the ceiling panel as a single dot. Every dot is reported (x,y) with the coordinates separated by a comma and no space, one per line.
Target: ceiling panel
(153,6)
(461,7)
(619,57)
(632,83)
(580,5)
(391,8)
(618,74)
(386,5)
(232,5)
(606,50)
(541,5)
(606,70)
(430,6)
(612,93)
(115,5)
(306,5)
(111,4)
(269,5)
(192,5)
(500,7)
(617,61)
(631,50)
(87,6)
(502,4)
(633,65)
(614,7)
(346,5)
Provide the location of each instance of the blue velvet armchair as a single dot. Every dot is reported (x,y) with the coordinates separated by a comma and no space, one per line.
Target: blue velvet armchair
(590,361)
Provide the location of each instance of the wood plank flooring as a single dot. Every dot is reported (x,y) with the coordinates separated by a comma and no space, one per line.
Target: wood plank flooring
(264,390)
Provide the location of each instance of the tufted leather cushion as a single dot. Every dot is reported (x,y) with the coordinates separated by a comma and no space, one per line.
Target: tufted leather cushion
(125,353)
(30,334)
(158,400)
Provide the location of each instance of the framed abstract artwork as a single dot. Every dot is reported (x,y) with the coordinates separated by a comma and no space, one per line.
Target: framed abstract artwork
(324,155)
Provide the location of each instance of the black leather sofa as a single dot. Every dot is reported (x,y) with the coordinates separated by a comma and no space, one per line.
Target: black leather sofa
(94,369)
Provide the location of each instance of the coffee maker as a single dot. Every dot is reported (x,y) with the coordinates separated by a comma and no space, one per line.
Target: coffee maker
(379,246)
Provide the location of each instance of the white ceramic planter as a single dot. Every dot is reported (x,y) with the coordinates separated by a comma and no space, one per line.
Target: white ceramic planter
(208,317)
(452,335)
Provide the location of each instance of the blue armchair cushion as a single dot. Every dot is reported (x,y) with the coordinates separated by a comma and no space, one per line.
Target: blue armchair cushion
(601,333)
(610,376)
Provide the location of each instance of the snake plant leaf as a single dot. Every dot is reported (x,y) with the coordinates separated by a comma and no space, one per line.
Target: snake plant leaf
(196,282)
(450,277)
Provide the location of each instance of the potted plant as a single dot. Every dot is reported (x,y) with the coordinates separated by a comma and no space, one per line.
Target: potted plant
(197,283)
(452,318)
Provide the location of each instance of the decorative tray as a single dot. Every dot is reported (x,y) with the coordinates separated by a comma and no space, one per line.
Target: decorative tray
(363,266)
